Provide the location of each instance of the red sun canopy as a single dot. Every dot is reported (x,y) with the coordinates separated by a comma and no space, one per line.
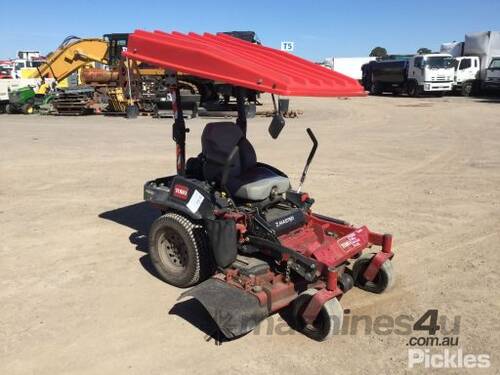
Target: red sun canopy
(224,58)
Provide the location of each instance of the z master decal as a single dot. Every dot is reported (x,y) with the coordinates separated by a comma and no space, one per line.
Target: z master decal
(284,221)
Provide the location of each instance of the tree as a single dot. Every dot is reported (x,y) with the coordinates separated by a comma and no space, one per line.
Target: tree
(423,51)
(378,52)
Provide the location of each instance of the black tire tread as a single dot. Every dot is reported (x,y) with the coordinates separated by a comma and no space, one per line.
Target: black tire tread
(9,108)
(195,233)
(330,309)
(466,92)
(387,275)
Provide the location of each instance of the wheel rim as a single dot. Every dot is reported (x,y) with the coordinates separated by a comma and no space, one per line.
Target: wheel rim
(467,89)
(318,326)
(375,283)
(172,251)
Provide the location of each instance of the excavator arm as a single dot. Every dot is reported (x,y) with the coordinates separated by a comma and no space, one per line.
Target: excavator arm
(68,58)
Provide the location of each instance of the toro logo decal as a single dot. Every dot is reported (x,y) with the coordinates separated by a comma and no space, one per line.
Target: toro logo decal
(180,191)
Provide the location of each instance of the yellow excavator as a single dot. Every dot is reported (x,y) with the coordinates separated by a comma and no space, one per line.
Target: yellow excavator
(73,54)
(77,55)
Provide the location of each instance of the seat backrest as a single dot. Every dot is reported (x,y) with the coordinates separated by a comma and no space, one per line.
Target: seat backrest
(248,158)
(217,141)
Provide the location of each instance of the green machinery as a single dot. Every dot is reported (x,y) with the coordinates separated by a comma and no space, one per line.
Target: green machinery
(22,100)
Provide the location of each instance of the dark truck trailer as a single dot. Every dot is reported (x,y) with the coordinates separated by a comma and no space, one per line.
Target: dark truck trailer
(380,76)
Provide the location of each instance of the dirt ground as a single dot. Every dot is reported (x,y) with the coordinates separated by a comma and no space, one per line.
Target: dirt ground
(77,292)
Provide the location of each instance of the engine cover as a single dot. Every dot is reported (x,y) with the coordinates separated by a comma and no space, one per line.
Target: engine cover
(284,220)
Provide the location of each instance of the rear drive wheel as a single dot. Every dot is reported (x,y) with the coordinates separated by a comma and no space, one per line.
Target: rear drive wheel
(9,108)
(413,89)
(467,89)
(383,281)
(27,109)
(375,87)
(178,250)
(132,111)
(328,322)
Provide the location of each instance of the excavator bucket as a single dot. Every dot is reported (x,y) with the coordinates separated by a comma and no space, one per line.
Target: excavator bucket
(235,311)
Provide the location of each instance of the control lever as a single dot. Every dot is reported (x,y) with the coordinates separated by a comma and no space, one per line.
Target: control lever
(309,158)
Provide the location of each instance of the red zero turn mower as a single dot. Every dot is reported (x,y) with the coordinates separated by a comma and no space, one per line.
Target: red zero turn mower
(232,226)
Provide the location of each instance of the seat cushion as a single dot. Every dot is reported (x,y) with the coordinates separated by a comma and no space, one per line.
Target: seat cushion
(256,184)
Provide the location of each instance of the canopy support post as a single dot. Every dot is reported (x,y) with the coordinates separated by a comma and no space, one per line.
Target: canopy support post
(241,121)
(179,129)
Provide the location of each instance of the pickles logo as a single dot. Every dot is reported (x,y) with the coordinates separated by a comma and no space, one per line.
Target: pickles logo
(180,191)
(447,359)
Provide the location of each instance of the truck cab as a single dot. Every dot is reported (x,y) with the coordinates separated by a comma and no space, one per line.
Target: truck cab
(492,76)
(467,70)
(23,68)
(430,73)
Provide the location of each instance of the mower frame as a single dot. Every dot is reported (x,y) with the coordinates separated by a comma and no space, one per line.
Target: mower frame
(327,258)
(307,256)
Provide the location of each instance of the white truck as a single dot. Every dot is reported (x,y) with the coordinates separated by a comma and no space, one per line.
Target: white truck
(21,65)
(349,66)
(477,63)
(420,74)
(26,61)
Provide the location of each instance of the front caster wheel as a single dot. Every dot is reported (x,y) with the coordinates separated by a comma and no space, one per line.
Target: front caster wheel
(328,322)
(383,281)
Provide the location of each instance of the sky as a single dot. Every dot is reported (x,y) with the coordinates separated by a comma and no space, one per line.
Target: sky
(319,29)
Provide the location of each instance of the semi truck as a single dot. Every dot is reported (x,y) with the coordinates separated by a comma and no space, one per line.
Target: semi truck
(477,63)
(416,75)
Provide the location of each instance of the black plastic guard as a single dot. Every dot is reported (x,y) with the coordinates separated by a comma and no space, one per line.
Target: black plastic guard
(235,311)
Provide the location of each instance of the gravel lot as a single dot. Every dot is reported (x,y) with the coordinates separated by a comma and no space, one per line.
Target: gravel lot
(78,294)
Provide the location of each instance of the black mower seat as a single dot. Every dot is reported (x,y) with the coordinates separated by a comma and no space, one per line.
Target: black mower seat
(247,179)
